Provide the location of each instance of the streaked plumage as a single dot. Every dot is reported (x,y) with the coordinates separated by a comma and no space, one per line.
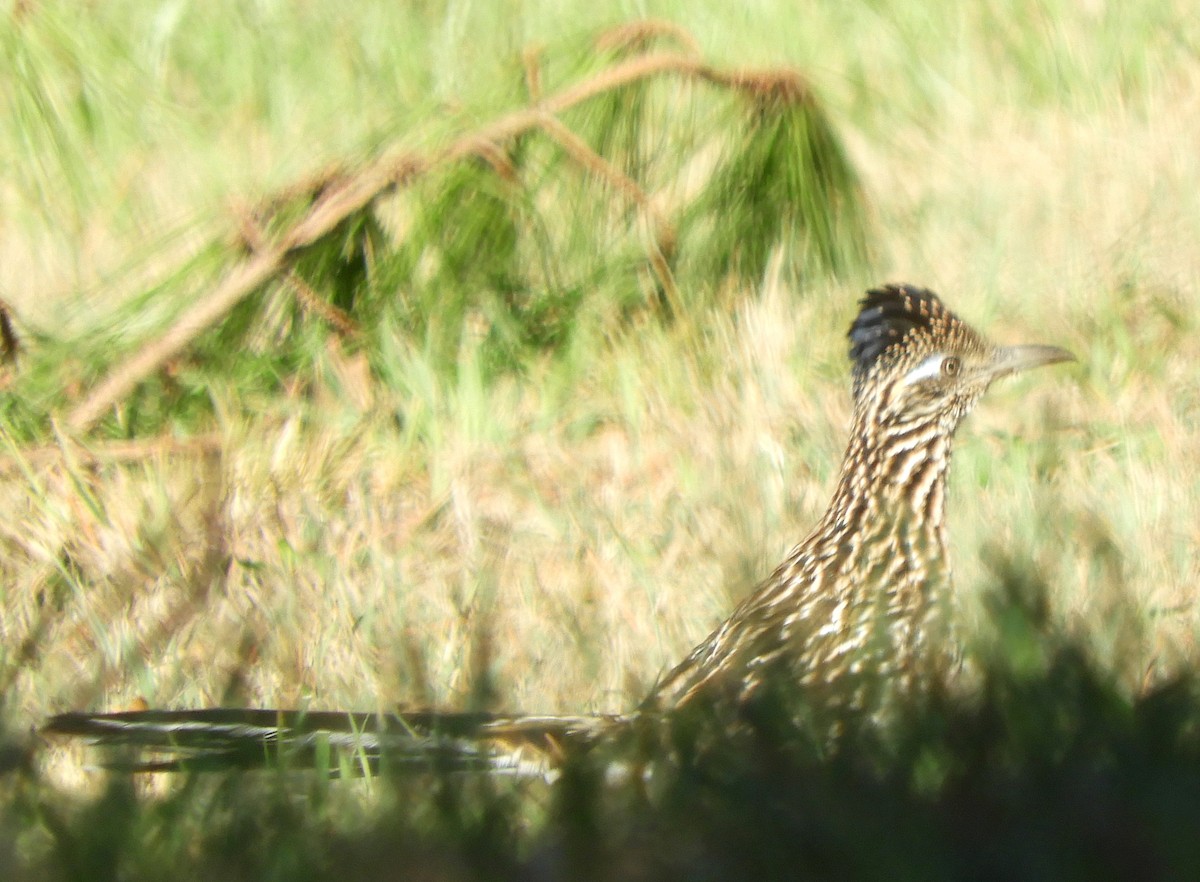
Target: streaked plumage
(854,614)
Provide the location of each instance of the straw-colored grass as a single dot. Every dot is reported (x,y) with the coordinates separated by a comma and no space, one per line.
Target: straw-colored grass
(552,540)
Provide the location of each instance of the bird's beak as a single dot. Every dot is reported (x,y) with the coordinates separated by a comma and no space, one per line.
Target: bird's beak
(1014,359)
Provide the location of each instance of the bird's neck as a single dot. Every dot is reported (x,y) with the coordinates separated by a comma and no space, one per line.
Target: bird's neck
(893,484)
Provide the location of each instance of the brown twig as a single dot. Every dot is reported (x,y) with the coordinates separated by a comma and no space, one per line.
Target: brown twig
(254,239)
(660,229)
(338,319)
(112,451)
(637,35)
(531,60)
(10,343)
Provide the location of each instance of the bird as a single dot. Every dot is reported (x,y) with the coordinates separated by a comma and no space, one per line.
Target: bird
(854,618)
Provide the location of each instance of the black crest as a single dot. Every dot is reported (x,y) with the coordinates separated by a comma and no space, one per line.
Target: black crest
(888,316)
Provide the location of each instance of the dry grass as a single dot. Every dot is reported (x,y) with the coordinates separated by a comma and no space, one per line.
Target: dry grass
(562,537)
(590,537)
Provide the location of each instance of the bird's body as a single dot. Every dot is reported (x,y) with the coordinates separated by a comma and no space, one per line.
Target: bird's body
(856,609)
(854,616)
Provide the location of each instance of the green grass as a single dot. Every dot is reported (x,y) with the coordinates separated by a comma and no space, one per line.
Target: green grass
(587,479)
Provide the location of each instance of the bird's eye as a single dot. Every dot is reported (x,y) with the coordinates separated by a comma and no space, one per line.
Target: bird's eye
(951,366)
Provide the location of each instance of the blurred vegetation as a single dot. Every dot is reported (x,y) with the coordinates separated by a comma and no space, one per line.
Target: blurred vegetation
(1034,155)
(1048,771)
(513,235)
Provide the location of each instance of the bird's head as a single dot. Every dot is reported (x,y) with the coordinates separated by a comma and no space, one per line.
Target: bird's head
(917,363)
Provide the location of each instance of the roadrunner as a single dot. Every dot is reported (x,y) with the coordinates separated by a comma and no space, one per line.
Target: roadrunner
(853,617)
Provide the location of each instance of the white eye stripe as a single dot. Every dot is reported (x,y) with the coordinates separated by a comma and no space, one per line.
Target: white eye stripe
(926,370)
